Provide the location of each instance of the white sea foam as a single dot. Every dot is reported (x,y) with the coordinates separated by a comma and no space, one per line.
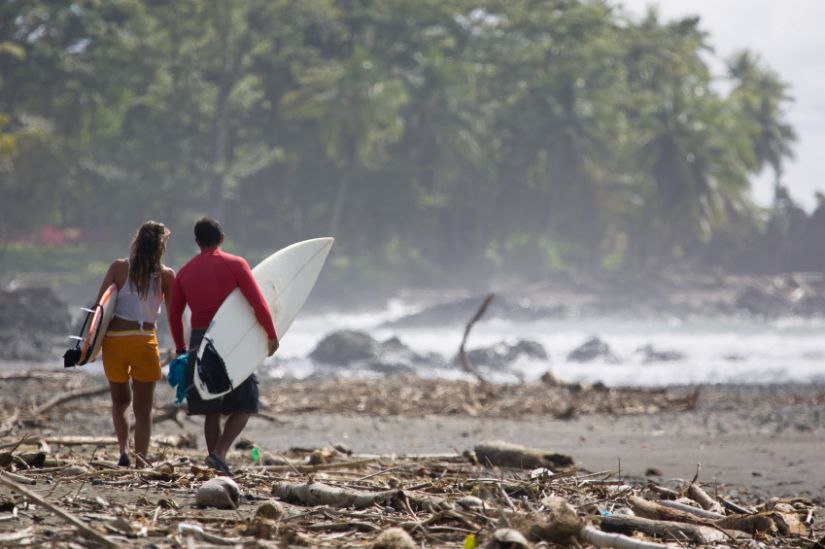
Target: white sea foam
(716,350)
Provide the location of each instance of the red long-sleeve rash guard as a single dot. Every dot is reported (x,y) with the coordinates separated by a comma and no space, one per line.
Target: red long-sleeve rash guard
(204,282)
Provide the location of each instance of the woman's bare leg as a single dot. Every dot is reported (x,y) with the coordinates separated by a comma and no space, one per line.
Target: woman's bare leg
(121,398)
(142,406)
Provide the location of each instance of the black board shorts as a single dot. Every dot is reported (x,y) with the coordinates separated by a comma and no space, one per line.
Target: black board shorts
(243,398)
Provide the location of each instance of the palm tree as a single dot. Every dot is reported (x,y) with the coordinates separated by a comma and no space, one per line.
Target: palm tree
(761,97)
(691,175)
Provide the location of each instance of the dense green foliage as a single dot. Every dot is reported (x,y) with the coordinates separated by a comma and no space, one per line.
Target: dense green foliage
(433,138)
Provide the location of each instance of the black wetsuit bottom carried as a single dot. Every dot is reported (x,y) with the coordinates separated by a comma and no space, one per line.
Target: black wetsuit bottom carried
(243,398)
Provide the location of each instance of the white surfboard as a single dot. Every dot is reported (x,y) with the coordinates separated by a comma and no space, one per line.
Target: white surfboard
(235,338)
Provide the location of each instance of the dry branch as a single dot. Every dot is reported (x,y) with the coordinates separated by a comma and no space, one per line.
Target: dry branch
(57,400)
(656,511)
(710,515)
(601,539)
(462,355)
(702,498)
(677,531)
(316,493)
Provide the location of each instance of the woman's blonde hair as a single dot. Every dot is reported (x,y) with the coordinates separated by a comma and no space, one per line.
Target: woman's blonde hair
(148,246)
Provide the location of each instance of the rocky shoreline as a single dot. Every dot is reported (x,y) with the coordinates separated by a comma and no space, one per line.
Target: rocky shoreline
(35,322)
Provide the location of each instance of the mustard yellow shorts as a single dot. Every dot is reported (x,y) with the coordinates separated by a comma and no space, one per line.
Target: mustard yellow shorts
(131,354)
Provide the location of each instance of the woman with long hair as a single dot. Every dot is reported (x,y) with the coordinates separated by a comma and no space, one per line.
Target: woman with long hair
(130,348)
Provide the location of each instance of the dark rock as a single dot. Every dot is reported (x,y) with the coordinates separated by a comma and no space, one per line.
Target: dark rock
(358,350)
(550,380)
(592,349)
(600,387)
(345,347)
(653,355)
(502,354)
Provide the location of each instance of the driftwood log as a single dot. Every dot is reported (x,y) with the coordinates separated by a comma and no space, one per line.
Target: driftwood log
(598,538)
(316,493)
(702,498)
(655,511)
(710,515)
(505,454)
(677,531)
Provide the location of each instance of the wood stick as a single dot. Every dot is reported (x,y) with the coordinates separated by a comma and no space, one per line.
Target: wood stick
(34,374)
(462,355)
(662,491)
(678,531)
(702,498)
(734,508)
(316,493)
(197,531)
(20,479)
(85,530)
(69,396)
(692,510)
(313,468)
(598,538)
(80,440)
(652,510)
(16,536)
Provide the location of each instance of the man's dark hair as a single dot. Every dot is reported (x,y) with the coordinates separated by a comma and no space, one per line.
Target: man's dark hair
(208,232)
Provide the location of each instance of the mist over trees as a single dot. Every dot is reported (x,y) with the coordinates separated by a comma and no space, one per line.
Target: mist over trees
(433,138)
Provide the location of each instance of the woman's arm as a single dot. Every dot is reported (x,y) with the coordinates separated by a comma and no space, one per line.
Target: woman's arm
(108,279)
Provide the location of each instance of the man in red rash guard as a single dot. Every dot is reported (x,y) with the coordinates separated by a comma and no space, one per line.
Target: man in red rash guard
(203,283)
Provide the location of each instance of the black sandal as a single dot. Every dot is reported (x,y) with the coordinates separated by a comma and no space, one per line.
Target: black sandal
(217,464)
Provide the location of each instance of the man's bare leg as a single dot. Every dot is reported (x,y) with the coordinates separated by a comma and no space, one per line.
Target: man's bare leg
(233,427)
(212,431)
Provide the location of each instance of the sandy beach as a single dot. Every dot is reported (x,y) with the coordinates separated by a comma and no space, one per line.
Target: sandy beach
(767,438)
(754,443)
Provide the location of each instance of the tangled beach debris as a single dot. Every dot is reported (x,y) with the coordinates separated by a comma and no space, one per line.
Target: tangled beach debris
(493,495)
(61,486)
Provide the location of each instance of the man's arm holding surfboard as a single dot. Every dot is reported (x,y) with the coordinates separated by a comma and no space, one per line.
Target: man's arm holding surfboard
(252,293)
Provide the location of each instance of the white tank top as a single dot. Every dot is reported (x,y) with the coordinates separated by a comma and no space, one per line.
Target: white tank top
(130,306)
